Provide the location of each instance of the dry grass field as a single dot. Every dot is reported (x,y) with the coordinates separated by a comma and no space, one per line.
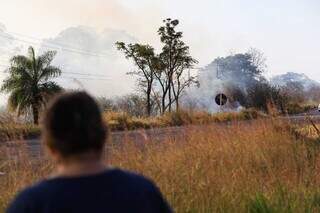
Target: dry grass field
(118,121)
(256,166)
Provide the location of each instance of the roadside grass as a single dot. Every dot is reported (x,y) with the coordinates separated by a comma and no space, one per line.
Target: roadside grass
(296,108)
(123,121)
(310,131)
(119,121)
(13,131)
(260,166)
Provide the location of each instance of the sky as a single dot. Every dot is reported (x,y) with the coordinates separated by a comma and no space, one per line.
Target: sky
(286,31)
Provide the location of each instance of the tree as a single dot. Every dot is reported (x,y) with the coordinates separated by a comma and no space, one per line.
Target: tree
(132,104)
(239,70)
(237,74)
(262,95)
(294,90)
(314,93)
(176,59)
(236,94)
(162,76)
(146,61)
(28,82)
(257,59)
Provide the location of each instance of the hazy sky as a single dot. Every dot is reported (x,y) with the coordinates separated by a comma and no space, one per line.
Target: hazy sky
(287,31)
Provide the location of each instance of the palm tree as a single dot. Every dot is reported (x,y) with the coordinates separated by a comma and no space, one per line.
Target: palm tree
(28,82)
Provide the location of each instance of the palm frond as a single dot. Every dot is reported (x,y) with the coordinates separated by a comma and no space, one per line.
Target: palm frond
(20,101)
(49,87)
(47,90)
(19,79)
(46,58)
(21,65)
(21,61)
(49,72)
(10,84)
(21,72)
(31,53)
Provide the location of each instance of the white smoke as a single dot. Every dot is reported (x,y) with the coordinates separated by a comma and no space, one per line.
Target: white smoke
(101,68)
(203,97)
(211,84)
(7,48)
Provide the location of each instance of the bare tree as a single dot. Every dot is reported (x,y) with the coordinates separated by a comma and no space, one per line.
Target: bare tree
(258,59)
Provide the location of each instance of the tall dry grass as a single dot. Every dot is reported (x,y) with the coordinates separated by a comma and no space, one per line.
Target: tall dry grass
(120,121)
(256,166)
(123,121)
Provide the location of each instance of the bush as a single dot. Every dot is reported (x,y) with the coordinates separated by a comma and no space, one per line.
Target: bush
(177,118)
(251,113)
(295,108)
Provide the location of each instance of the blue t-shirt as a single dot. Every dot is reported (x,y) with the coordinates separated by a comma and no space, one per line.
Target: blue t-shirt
(113,191)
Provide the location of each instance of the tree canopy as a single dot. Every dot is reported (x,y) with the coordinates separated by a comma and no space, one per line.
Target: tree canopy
(242,69)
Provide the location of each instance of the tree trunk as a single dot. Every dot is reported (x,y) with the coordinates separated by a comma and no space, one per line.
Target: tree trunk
(149,105)
(163,99)
(149,100)
(177,103)
(170,101)
(35,112)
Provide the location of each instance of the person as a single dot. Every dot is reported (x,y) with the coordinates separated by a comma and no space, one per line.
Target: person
(75,134)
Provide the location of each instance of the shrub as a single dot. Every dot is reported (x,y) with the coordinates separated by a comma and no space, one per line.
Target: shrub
(251,113)
(177,118)
(295,108)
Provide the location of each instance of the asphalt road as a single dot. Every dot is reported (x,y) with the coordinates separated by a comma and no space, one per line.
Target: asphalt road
(35,149)
(138,137)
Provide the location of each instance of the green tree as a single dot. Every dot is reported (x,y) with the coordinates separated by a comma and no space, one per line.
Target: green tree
(239,70)
(262,95)
(176,60)
(28,82)
(146,61)
(162,76)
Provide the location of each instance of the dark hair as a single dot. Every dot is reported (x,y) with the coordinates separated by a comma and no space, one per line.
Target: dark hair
(73,125)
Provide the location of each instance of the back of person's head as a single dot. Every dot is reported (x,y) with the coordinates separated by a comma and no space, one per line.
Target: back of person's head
(73,125)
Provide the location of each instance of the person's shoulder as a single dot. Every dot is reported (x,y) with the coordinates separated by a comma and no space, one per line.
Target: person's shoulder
(144,190)
(26,198)
(131,178)
(34,191)
(133,183)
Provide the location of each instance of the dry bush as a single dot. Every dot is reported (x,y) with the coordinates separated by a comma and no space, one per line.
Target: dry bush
(239,167)
(298,108)
(12,130)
